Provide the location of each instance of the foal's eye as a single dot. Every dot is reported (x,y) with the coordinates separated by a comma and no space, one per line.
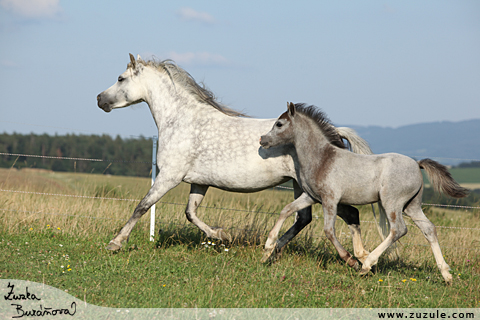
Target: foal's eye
(120,79)
(279,124)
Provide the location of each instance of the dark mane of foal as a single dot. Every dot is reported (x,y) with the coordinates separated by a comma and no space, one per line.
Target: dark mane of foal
(179,76)
(322,121)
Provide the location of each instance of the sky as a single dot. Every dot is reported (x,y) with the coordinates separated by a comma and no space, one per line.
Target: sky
(382,63)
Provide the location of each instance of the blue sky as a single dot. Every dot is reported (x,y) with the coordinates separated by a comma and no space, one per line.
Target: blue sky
(385,63)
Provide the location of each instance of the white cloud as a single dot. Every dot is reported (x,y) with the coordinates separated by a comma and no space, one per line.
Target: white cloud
(33,8)
(199,58)
(189,14)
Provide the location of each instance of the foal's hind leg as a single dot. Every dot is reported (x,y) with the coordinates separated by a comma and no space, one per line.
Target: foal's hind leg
(351,217)
(397,230)
(157,191)
(414,211)
(197,192)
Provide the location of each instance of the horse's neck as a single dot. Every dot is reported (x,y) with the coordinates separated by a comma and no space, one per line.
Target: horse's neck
(170,104)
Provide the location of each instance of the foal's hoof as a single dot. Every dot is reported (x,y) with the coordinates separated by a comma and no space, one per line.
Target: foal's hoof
(269,254)
(448,279)
(364,272)
(112,246)
(356,266)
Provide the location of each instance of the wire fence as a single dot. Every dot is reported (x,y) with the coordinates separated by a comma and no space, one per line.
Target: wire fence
(180,204)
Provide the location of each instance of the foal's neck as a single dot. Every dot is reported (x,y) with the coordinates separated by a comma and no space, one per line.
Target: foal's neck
(308,137)
(314,151)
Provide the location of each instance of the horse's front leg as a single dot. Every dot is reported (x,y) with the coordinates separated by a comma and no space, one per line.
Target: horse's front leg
(271,244)
(156,192)
(330,214)
(197,193)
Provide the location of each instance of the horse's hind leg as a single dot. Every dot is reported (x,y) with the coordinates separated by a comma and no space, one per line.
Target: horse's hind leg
(197,193)
(414,211)
(351,217)
(156,192)
(330,214)
(300,203)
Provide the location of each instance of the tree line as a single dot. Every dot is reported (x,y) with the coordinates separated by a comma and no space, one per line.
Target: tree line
(133,156)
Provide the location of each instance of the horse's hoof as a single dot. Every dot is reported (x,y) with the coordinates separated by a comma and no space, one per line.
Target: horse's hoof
(225,236)
(112,246)
(221,234)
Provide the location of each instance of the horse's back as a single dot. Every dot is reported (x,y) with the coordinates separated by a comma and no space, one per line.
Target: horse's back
(228,156)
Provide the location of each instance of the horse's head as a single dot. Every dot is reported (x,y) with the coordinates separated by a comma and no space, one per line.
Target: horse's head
(282,131)
(127,90)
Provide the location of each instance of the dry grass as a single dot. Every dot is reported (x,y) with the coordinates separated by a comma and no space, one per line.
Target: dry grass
(248,217)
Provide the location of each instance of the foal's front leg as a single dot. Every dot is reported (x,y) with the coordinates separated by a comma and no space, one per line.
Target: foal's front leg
(300,203)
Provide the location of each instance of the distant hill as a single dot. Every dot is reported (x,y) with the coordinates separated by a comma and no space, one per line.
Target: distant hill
(447,142)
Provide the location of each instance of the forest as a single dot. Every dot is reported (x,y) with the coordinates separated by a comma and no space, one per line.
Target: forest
(127,157)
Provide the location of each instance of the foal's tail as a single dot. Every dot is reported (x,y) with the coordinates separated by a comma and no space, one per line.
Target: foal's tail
(441,179)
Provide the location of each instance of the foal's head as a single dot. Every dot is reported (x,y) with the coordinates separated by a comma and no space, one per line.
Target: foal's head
(283,129)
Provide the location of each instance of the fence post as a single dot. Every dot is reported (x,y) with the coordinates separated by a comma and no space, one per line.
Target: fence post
(154,174)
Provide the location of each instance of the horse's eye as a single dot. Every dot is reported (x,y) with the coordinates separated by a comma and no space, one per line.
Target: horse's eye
(120,79)
(279,124)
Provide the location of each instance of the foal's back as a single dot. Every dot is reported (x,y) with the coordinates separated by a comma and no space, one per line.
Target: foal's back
(361,179)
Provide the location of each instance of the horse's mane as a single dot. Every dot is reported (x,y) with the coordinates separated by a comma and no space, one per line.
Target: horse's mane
(181,77)
(322,121)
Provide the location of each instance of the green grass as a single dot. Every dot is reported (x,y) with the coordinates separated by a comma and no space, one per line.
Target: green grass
(177,270)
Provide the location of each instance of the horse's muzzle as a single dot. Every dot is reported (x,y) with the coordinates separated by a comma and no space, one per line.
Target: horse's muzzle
(102,105)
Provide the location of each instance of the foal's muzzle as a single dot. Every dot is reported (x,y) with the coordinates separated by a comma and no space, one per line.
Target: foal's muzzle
(265,142)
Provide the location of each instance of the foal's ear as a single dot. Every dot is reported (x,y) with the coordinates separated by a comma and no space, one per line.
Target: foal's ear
(132,61)
(291,109)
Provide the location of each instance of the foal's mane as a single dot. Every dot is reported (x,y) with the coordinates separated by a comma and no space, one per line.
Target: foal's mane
(323,123)
(181,77)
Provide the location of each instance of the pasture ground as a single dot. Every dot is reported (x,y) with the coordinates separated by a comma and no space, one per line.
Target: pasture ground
(61,241)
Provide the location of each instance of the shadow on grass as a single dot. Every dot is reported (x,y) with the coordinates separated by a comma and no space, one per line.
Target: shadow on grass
(306,245)
(191,237)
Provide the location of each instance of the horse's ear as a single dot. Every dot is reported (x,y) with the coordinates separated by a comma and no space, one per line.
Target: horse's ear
(291,109)
(138,57)
(132,60)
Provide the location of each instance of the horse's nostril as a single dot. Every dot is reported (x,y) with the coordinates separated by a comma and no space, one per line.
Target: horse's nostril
(98,97)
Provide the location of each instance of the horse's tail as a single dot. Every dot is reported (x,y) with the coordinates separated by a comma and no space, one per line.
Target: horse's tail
(441,179)
(355,143)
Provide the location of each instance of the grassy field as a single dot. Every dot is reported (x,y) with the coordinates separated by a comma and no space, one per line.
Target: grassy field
(61,241)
